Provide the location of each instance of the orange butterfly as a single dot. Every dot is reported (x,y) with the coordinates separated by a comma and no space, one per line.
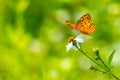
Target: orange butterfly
(83,25)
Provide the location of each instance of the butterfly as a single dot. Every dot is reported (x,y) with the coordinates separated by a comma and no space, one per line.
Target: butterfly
(84,24)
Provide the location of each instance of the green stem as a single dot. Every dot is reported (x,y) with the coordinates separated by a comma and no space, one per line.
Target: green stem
(90,57)
(109,73)
(103,63)
(115,76)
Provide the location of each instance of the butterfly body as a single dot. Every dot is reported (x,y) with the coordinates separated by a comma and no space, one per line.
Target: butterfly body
(83,25)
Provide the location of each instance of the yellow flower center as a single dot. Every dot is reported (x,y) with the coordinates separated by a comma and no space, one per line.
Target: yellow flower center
(71,39)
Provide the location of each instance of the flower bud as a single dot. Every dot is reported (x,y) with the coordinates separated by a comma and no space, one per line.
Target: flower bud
(96,50)
(93,68)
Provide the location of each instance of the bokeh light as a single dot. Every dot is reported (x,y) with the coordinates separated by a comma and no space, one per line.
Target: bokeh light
(66,64)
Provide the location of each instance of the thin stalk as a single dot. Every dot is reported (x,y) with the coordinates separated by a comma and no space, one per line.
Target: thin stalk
(115,76)
(90,58)
(103,63)
(109,73)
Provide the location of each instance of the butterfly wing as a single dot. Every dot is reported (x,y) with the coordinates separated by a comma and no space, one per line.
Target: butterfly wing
(85,25)
(71,25)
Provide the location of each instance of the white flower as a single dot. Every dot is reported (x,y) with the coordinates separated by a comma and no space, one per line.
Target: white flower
(79,39)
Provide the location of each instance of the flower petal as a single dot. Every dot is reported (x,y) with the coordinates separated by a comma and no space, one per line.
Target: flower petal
(76,32)
(79,39)
(69,46)
(78,45)
(73,47)
(85,37)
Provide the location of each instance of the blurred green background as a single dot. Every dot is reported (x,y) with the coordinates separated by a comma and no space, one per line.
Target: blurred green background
(33,36)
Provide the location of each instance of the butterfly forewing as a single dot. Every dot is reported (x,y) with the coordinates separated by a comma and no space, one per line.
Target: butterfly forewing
(84,19)
(85,25)
(72,25)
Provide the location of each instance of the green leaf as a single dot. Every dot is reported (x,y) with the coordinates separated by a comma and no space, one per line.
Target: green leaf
(110,58)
